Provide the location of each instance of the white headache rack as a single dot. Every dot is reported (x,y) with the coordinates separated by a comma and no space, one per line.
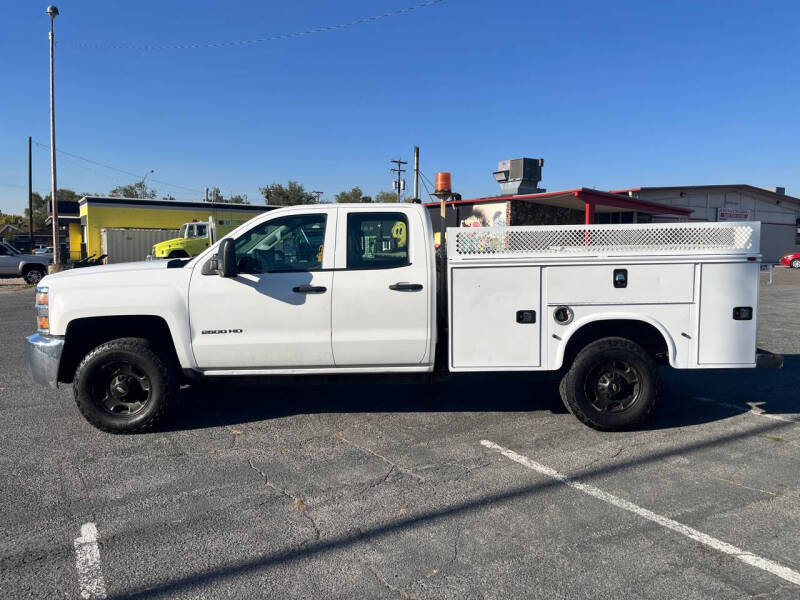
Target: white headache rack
(656,239)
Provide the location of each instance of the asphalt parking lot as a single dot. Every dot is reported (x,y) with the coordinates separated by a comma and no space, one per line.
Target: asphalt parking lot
(481,487)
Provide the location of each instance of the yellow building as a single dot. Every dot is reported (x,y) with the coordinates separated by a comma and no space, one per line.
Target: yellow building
(96,213)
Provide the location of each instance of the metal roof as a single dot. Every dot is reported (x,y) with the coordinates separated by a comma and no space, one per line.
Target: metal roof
(737,186)
(153,202)
(579,198)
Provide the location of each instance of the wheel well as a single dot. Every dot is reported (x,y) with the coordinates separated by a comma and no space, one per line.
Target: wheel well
(30,266)
(178,254)
(83,335)
(641,332)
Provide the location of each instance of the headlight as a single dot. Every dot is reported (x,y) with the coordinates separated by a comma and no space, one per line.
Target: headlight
(43,309)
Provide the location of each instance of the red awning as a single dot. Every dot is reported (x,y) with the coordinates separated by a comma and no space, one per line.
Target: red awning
(584,199)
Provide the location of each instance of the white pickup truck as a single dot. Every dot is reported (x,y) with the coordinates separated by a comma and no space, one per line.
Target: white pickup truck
(353,289)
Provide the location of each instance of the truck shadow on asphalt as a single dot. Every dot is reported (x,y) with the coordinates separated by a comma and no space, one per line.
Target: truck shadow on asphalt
(724,393)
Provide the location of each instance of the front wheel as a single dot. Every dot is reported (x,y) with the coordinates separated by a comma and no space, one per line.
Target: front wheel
(34,275)
(612,384)
(124,386)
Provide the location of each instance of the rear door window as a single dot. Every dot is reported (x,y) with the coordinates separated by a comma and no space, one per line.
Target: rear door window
(377,240)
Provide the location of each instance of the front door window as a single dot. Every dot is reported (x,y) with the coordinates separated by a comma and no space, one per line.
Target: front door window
(292,243)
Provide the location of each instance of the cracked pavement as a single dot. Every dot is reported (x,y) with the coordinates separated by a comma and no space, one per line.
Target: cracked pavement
(381,489)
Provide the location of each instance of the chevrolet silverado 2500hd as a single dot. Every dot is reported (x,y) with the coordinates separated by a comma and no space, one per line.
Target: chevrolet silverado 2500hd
(353,289)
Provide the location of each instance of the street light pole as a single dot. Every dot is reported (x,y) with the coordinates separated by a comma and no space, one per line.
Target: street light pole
(53,12)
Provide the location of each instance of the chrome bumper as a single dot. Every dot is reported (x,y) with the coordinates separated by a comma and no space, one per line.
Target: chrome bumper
(43,354)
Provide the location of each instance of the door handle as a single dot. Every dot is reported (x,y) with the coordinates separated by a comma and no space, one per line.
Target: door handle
(405,287)
(310,289)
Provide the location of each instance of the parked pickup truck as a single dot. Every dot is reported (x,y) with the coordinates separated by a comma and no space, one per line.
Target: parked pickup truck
(13,263)
(353,289)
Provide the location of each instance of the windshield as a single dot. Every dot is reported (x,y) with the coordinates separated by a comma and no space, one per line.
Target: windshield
(12,249)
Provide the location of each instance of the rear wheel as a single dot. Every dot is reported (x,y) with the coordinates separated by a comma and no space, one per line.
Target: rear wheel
(795,263)
(611,385)
(124,386)
(33,275)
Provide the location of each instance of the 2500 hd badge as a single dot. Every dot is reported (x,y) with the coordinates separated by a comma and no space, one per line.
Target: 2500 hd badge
(215,331)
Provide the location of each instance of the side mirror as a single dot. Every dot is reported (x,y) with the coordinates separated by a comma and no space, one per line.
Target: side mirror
(226,258)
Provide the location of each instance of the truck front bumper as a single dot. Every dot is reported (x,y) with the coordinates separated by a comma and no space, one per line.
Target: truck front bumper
(43,355)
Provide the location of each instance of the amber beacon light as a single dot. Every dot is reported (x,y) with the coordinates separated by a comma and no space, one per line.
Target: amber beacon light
(443,183)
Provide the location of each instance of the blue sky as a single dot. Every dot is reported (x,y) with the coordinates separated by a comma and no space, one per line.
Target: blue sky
(612,94)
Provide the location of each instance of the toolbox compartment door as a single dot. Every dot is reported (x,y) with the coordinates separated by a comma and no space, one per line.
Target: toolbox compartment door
(643,284)
(495,317)
(722,340)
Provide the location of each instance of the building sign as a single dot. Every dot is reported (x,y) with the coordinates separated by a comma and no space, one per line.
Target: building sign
(733,214)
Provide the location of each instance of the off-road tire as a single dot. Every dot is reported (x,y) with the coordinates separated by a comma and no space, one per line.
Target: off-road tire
(156,365)
(795,264)
(577,400)
(33,275)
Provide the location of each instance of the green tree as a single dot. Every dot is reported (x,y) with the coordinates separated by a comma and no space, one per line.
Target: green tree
(384,196)
(66,195)
(132,190)
(215,195)
(238,199)
(354,195)
(40,212)
(11,219)
(294,193)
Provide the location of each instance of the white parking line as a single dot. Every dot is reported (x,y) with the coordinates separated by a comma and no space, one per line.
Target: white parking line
(698,536)
(87,561)
(754,409)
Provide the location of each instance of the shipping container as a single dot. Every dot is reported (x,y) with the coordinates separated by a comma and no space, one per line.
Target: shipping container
(127,245)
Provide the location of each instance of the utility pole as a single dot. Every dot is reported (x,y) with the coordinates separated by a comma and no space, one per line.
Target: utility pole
(30,190)
(399,183)
(416,172)
(53,12)
(318,194)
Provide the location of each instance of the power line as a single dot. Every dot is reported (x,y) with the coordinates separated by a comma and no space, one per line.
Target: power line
(24,187)
(83,167)
(424,177)
(131,173)
(425,185)
(273,38)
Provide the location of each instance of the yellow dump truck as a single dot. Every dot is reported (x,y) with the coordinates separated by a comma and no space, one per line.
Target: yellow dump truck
(194,237)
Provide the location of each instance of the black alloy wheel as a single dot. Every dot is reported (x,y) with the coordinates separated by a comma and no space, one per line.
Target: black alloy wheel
(125,385)
(613,386)
(121,388)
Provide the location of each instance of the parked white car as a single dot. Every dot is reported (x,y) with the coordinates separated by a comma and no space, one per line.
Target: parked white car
(353,289)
